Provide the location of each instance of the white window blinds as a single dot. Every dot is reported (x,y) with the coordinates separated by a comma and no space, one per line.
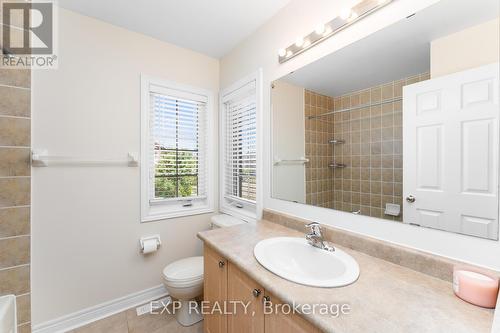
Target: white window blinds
(240,145)
(177,145)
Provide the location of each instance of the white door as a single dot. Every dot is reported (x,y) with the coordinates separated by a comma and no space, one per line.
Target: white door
(450,141)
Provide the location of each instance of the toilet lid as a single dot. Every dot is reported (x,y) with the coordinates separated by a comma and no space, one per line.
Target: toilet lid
(184,269)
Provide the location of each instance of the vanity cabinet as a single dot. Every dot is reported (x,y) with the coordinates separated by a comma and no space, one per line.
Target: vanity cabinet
(224,282)
(214,289)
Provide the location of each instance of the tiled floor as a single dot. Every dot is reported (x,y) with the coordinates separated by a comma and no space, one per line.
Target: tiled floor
(129,322)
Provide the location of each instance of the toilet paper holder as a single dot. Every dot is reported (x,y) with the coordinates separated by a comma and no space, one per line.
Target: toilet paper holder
(142,240)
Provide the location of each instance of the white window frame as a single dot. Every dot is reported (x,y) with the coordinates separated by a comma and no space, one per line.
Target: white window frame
(247,211)
(154,210)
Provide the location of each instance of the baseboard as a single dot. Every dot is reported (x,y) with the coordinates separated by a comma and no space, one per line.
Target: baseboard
(100,311)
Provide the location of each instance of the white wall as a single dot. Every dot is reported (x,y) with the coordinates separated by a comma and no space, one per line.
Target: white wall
(86,221)
(289,141)
(260,50)
(473,47)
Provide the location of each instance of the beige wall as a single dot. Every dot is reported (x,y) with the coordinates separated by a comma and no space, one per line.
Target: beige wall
(260,50)
(469,48)
(86,220)
(15,122)
(288,117)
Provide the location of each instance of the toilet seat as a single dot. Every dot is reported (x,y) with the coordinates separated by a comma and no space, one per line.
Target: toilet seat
(184,272)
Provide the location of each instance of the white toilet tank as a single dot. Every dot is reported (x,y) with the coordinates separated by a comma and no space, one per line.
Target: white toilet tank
(224,220)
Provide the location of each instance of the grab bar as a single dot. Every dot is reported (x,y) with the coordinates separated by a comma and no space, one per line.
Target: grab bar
(40,158)
(302,160)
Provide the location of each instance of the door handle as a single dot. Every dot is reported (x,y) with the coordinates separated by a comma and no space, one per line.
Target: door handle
(410,198)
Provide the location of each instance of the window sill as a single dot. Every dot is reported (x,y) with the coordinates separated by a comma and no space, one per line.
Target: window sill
(176,214)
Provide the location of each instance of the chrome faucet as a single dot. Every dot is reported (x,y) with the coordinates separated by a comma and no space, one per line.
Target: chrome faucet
(315,237)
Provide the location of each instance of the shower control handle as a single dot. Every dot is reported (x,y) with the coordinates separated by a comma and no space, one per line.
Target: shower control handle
(410,198)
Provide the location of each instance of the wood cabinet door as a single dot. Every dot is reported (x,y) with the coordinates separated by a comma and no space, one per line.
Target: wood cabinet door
(214,290)
(241,288)
(278,321)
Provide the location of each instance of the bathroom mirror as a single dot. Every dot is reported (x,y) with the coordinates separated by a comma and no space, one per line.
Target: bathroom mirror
(401,125)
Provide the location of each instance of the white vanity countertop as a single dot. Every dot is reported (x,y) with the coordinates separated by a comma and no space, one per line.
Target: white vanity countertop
(386,298)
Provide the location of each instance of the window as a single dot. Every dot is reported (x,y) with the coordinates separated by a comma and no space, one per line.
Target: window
(239,106)
(175,150)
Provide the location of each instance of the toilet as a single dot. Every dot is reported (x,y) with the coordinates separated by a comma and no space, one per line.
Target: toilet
(183,278)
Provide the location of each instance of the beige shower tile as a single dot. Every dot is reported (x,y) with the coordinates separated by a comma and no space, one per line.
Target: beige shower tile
(14,162)
(24,328)
(387,147)
(387,161)
(376,161)
(14,251)
(14,221)
(14,132)
(387,175)
(398,161)
(387,121)
(15,192)
(15,77)
(398,175)
(375,111)
(376,135)
(15,280)
(375,200)
(375,187)
(375,212)
(387,133)
(376,122)
(365,199)
(375,174)
(23,308)
(364,97)
(376,148)
(14,102)
(387,91)
(398,189)
(387,188)
(398,88)
(365,186)
(376,94)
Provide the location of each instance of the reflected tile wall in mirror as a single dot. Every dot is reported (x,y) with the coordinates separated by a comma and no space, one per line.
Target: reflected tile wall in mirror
(372,152)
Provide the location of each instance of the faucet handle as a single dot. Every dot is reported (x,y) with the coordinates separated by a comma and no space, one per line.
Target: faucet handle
(315,227)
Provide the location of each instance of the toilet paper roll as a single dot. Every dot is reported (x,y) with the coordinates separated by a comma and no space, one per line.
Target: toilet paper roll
(150,245)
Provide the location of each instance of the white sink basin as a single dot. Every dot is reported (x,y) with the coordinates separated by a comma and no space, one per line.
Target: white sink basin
(296,260)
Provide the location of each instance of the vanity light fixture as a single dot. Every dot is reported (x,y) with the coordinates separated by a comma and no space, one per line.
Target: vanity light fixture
(323,31)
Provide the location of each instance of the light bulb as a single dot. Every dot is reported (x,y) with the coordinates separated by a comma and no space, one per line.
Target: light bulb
(299,42)
(320,29)
(282,52)
(328,31)
(307,42)
(345,13)
(289,54)
(353,16)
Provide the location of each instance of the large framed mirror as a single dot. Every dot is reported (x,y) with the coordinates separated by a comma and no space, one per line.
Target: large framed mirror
(401,125)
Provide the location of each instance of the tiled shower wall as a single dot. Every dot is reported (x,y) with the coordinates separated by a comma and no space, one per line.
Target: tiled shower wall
(15,123)
(319,178)
(372,151)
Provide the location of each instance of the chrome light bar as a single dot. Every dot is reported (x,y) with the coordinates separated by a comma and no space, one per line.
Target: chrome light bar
(346,18)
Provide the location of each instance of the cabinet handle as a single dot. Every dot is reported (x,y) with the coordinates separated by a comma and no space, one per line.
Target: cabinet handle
(267,299)
(256,292)
(221,264)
